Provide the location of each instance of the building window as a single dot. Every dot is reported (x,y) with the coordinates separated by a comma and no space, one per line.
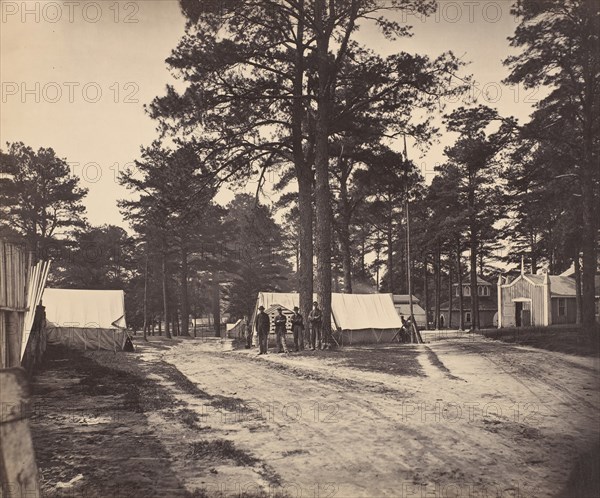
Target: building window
(466,290)
(562,307)
(468,317)
(483,290)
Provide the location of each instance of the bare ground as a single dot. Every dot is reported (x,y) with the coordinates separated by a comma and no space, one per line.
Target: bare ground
(465,416)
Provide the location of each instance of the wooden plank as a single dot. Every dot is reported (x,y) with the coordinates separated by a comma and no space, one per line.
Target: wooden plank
(3,341)
(18,469)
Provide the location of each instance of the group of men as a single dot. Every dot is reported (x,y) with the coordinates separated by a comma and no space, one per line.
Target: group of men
(312,340)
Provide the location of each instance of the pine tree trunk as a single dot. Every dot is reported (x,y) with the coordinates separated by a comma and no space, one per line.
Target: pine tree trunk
(363,252)
(460,289)
(305,239)
(304,176)
(426,291)
(185,305)
(344,234)
(165,293)
(174,323)
(589,206)
(450,283)
(473,246)
(589,244)
(216,305)
(146,295)
(390,253)
(402,288)
(438,290)
(533,255)
(322,192)
(473,278)
(578,294)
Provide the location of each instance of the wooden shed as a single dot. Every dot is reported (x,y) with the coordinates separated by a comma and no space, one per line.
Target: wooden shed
(536,300)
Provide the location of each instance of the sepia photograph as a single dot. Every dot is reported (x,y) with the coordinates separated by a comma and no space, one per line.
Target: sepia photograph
(299,248)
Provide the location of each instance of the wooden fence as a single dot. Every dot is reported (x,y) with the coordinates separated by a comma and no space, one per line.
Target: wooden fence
(21,287)
(14,265)
(22,342)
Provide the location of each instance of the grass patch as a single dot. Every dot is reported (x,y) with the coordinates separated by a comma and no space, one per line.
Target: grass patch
(220,449)
(186,385)
(436,362)
(574,340)
(189,418)
(396,360)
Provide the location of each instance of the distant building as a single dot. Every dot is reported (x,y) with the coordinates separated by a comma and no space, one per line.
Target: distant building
(488,306)
(402,305)
(538,300)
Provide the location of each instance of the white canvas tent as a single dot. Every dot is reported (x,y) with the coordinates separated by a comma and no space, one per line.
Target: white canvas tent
(85,319)
(355,317)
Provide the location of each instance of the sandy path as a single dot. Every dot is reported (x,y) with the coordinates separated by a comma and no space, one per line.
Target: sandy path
(490,419)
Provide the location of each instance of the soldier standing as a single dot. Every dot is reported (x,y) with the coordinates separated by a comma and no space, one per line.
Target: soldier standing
(298,329)
(263,325)
(280,321)
(314,319)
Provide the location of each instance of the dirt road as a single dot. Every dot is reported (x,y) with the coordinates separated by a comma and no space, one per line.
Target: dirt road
(461,416)
(466,417)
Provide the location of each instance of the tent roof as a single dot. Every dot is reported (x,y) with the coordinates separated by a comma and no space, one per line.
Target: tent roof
(349,311)
(84,308)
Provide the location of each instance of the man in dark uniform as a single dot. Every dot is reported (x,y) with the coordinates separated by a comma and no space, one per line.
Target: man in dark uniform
(405,331)
(263,325)
(298,329)
(280,321)
(314,319)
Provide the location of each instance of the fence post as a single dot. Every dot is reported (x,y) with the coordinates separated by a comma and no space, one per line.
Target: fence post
(18,470)
(13,333)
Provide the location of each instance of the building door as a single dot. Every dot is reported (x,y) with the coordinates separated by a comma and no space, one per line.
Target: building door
(518,313)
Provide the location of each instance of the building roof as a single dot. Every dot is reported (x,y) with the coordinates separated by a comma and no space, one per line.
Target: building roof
(559,285)
(403,299)
(562,286)
(569,272)
(486,303)
(480,281)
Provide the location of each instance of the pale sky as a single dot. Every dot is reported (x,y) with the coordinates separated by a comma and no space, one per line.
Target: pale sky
(75,76)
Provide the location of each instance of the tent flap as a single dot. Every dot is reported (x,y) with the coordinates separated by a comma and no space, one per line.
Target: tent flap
(365,311)
(80,338)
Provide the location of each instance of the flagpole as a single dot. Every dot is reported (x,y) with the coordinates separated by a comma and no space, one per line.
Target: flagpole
(415,335)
